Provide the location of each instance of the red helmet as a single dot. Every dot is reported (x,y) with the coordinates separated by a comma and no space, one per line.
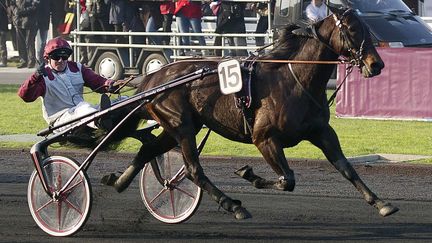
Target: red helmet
(59,45)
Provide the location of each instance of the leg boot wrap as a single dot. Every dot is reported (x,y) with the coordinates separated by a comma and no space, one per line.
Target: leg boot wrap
(127,177)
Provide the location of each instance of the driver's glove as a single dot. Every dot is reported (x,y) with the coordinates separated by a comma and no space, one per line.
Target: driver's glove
(41,71)
(114,87)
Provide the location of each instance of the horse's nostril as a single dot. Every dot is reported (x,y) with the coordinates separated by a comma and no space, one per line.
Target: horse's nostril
(377,66)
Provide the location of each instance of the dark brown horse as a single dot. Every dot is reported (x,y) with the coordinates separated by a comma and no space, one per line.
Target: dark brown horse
(289,105)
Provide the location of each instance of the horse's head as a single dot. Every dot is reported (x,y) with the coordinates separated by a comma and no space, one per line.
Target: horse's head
(352,39)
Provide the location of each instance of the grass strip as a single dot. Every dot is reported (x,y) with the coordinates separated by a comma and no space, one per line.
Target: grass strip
(357,136)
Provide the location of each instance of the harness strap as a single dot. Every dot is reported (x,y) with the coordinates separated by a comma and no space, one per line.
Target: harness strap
(303,89)
(318,37)
(264,47)
(244,102)
(333,96)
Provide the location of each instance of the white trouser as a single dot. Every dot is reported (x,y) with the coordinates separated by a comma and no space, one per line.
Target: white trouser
(83,108)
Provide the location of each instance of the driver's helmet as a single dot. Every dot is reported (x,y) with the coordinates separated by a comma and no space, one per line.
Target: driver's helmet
(59,46)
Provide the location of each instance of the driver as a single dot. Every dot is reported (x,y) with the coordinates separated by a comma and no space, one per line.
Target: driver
(60,84)
(316,11)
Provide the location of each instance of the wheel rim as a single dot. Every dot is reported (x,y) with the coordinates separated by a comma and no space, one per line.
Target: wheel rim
(66,215)
(169,205)
(107,68)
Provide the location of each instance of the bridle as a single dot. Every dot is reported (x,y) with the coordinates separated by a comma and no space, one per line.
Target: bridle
(356,56)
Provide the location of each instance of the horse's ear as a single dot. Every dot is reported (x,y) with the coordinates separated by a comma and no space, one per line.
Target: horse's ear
(338,11)
(307,31)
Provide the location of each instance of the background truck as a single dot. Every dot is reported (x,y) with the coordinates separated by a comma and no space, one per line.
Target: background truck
(391,22)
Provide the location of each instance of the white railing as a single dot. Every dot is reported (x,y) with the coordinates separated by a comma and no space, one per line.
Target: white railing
(208,24)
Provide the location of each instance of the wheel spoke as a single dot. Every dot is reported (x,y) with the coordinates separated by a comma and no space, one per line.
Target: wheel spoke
(59,204)
(185,192)
(59,210)
(59,178)
(158,195)
(168,168)
(45,205)
(70,205)
(178,177)
(172,203)
(73,186)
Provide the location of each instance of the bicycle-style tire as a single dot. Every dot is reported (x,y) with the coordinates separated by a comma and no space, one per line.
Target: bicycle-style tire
(177,203)
(66,215)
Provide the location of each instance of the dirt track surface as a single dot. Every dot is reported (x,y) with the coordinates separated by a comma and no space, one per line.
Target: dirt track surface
(323,207)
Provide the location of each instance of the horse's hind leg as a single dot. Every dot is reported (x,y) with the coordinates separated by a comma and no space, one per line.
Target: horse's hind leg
(274,156)
(328,142)
(149,150)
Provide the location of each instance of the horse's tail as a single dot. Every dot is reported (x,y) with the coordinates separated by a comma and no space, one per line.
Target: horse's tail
(125,130)
(131,124)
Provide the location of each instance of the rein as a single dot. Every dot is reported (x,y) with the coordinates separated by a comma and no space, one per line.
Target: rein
(333,96)
(302,87)
(272,61)
(356,57)
(121,86)
(301,62)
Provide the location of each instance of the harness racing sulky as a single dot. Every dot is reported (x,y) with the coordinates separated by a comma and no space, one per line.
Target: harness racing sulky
(273,101)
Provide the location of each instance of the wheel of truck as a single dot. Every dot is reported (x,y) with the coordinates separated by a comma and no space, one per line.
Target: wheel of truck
(153,62)
(108,65)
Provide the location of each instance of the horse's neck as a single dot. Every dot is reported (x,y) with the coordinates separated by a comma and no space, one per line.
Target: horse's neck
(314,76)
(316,50)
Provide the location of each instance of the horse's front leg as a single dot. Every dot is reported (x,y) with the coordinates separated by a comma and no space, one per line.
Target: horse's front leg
(273,154)
(327,140)
(196,173)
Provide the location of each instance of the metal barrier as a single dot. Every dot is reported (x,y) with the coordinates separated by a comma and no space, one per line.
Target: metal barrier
(208,33)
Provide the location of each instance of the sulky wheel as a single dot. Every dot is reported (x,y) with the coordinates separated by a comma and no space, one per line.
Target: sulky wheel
(65,214)
(176,198)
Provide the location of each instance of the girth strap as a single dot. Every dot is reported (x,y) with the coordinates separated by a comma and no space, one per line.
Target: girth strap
(243,98)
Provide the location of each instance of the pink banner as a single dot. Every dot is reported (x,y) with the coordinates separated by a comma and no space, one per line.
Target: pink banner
(403,90)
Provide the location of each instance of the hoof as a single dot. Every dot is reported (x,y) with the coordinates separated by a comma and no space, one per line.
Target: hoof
(285,185)
(242,213)
(387,210)
(244,172)
(109,180)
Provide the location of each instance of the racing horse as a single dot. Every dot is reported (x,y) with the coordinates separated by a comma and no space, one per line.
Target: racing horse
(289,105)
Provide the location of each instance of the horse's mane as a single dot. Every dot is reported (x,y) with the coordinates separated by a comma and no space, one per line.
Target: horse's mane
(287,45)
